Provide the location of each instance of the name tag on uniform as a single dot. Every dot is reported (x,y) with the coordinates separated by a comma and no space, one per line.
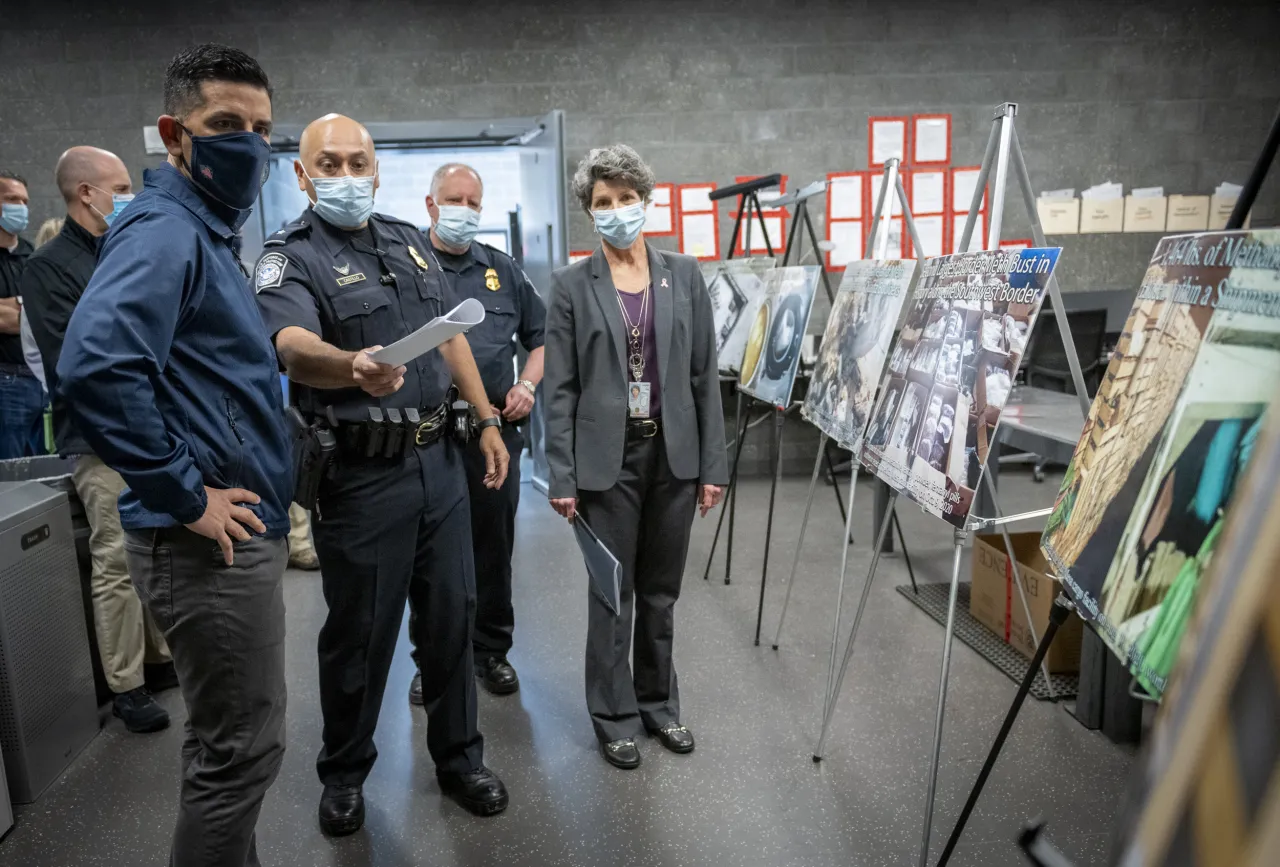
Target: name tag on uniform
(638,400)
(353,278)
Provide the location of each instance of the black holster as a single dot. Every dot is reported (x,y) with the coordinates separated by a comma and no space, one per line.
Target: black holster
(314,447)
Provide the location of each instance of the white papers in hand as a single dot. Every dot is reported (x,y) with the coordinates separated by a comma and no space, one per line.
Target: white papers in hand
(604,572)
(468,314)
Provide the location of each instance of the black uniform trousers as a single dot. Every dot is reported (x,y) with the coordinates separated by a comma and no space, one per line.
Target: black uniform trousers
(384,531)
(493,533)
(645,519)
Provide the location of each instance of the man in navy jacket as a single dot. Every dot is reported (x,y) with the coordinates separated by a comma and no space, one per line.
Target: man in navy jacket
(170,375)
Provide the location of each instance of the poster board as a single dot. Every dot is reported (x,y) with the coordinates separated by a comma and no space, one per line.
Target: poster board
(950,374)
(887,138)
(1167,441)
(931,140)
(854,348)
(772,355)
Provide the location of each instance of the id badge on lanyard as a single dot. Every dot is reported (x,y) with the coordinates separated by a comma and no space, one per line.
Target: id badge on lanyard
(638,400)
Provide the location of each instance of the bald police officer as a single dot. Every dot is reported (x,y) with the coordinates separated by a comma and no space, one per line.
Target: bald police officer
(392,518)
(512,309)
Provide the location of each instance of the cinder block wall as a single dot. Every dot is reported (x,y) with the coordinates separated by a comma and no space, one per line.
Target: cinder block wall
(1147,93)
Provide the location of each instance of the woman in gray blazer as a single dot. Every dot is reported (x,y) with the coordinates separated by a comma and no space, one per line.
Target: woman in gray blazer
(634,440)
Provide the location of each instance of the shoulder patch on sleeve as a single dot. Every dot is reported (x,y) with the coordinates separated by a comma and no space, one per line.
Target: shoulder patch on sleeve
(270,271)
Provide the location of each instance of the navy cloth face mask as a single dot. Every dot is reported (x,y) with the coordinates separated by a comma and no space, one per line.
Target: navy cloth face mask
(231,167)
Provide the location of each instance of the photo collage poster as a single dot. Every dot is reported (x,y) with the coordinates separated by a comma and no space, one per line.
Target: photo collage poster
(1137,575)
(842,390)
(772,355)
(735,287)
(951,373)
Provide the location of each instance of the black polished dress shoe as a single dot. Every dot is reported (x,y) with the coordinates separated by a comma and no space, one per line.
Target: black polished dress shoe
(497,675)
(675,737)
(341,810)
(480,791)
(622,753)
(415,689)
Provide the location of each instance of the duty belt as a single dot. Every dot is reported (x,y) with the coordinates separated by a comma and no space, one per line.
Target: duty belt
(391,432)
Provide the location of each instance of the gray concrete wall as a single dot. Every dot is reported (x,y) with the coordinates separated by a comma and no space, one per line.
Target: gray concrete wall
(1171,93)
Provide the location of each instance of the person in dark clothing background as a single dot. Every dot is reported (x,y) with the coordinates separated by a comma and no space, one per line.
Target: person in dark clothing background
(21,397)
(96,187)
(170,376)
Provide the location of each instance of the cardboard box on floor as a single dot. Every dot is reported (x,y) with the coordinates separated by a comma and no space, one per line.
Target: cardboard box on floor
(993,599)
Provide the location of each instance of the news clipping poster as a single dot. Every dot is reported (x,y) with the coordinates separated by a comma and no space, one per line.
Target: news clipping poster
(772,355)
(1168,440)
(855,345)
(735,288)
(951,372)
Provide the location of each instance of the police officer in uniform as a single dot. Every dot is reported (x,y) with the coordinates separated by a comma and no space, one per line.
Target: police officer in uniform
(512,309)
(391,514)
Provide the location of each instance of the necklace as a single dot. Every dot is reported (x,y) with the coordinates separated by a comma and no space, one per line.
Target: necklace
(635,335)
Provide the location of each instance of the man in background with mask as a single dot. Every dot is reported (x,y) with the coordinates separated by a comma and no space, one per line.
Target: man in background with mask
(512,308)
(391,517)
(96,187)
(21,397)
(171,378)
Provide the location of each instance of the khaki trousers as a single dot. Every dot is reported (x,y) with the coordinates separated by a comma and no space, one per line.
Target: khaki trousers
(299,529)
(127,636)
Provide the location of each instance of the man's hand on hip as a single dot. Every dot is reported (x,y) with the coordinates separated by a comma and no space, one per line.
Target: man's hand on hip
(495,457)
(224,519)
(378,380)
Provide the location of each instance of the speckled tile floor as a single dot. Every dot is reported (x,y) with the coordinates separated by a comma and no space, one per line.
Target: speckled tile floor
(749,796)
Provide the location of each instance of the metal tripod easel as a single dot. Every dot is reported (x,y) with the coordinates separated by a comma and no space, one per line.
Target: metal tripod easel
(1002,150)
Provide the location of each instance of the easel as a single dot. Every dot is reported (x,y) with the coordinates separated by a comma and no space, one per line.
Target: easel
(1062,606)
(878,243)
(800,216)
(748,193)
(1002,149)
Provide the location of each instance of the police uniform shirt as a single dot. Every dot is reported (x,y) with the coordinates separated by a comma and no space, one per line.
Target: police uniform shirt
(12,263)
(512,308)
(356,289)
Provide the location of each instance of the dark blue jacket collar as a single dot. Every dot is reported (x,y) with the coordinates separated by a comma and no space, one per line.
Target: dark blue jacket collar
(169,180)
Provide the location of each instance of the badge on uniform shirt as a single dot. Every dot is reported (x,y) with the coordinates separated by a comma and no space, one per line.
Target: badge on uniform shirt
(353,278)
(344,269)
(417,257)
(638,400)
(491,280)
(270,271)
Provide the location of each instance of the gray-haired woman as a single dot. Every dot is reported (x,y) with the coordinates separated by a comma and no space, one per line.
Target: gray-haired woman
(635,441)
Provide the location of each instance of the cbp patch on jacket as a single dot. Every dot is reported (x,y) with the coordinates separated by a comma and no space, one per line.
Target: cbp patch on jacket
(270,271)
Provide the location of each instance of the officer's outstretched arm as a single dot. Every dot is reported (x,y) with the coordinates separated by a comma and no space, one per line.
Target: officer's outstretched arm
(309,360)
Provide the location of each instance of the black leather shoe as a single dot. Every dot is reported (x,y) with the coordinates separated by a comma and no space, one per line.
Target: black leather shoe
(415,689)
(497,675)
(480,791)
(675,737)
(621,753)
(341,810)
(139,711)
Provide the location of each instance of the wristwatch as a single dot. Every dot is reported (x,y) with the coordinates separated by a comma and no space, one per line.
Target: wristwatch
(533,389)
(491,421)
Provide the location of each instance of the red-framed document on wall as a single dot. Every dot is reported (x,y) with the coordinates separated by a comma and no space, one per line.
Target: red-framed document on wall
(930,140)
(660,214)
(887,137)
(699,222)
(847,216)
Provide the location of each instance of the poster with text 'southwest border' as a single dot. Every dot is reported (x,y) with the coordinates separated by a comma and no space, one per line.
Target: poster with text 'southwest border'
(950,374)
(856,342)
(1146,496)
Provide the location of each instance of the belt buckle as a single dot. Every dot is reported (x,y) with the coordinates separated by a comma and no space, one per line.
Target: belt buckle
(421,431)
(648,429)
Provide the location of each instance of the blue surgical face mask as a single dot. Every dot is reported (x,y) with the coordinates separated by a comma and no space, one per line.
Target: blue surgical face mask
(344,201)
(118,201)
(13,218)
(457,225)
(229,168)
(620,227)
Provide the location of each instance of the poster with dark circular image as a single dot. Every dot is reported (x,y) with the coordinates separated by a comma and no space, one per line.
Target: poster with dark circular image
(772,356)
